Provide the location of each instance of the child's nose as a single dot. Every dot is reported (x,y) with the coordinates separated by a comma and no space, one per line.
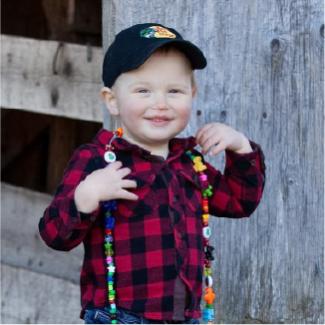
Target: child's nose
(160,102)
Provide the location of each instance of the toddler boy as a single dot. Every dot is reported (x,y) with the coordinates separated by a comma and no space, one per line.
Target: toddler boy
(158,242)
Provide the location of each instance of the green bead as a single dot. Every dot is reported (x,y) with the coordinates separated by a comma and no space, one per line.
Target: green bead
(109,252)
(207,192)
(113,321)
(190,155)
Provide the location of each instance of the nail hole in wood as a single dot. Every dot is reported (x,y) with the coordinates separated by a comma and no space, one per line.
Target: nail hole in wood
(67,69)
(54,96)
(275,45)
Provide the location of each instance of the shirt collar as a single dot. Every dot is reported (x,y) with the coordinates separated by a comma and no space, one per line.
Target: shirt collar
(177,146)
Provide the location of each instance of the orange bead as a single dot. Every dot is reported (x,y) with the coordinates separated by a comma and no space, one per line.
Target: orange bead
(119,132)
(209,295)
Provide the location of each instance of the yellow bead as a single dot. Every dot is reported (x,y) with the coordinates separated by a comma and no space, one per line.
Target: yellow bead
(205,217)
(197,159)
(200,167)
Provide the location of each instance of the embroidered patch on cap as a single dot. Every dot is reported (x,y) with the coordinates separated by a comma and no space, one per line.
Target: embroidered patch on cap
(157,32)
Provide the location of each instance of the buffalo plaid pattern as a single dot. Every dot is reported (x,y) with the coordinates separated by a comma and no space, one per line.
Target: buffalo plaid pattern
(158,237)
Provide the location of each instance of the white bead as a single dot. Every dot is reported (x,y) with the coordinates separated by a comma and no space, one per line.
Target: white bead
(111,268)
(206,232)
(109,156)
(209,281)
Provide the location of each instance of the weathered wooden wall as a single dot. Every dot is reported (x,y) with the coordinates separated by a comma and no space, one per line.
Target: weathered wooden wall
(39,285)
(265,78)
(51,77)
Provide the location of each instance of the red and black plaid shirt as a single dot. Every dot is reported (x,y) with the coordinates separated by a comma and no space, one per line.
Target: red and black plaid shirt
(158,237)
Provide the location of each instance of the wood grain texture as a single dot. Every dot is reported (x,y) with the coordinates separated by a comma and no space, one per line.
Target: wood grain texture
(45,77)
(33,298)
(21,244)
(265,78)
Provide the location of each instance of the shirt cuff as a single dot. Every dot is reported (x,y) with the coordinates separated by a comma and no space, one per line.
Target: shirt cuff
(91,216)
(244,162)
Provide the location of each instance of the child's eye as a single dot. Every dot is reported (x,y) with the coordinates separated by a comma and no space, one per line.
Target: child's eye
(142,91)
(175,91)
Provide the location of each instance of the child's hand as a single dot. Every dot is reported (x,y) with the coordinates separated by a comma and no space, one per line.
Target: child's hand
(103,185)
(216,137)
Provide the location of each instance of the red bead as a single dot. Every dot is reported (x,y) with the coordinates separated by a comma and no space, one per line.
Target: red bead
(207,263)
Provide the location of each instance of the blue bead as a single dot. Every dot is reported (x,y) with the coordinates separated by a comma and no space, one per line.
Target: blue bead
(110,222)
(108,239)
(208,314)
(110,205)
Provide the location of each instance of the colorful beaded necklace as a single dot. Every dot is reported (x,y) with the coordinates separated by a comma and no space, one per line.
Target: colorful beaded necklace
(209,296)
(109,208)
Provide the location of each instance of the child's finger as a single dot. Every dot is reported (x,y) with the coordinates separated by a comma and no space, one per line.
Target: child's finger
(127,183)
(212,142)
(215,150)
(202,131)
(124,171)
(114,165)
(128,195)
(209,138)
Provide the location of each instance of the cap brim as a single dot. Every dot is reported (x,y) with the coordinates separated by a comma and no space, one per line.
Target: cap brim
(193,53)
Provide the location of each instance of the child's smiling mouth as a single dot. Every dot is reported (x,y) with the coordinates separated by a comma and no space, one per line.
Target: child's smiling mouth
(159,120)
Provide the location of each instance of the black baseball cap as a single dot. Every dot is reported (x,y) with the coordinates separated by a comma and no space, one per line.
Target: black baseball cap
(134,45)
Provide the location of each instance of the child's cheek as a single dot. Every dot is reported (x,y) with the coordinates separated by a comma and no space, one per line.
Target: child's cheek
(187,109)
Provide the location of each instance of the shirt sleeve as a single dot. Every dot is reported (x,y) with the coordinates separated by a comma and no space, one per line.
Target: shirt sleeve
(62,226)
(237,193)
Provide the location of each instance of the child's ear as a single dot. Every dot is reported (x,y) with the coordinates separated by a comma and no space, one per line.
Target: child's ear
(109,98)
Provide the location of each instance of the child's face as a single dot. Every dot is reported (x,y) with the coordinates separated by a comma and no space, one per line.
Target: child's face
(154,101)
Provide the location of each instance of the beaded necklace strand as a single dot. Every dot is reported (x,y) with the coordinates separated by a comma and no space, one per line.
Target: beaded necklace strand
(209,296)
(110,206)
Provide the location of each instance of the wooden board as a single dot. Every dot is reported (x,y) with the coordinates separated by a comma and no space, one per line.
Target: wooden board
(29,297)
(50,77)
(21,244)
(265,78)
